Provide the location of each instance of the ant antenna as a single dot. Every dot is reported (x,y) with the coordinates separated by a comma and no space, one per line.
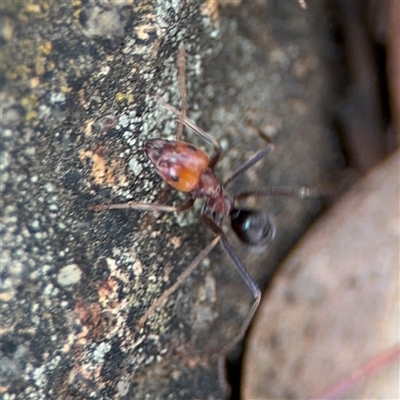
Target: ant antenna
(182,90)
(196,129)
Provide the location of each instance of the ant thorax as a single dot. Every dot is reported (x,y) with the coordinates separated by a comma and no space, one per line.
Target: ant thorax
(218,200)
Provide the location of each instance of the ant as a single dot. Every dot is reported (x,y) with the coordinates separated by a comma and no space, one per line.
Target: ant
(187,168)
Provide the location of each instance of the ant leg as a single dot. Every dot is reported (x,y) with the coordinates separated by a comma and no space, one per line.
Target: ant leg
(182,89)
(244,275)
(191,125)
(281,191)
(143,206)
(260,132)
(248,164)
(256,292)
(157,303)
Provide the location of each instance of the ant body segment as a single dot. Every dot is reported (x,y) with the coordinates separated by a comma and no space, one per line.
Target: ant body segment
(187,168)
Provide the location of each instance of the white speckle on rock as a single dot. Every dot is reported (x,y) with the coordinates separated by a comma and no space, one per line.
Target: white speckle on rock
(46,268)
(53,207)
(127,134)
(111,264)
(7,133)
(7,296)
(69,275)
(105,70)
(35,224)
(57,97)
(49,187)
(123,120)
(123,387)
(48,289)
(30,151)
(44,111)
(224,144)
(39,376)
(137,268)
(135,167)
(101,350)
(54,361)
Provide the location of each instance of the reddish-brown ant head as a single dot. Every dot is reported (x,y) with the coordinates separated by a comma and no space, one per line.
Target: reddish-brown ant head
(253,227)
(154,149)
(180,164)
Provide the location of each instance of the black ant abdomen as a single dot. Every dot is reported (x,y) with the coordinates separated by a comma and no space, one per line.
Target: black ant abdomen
(253,227)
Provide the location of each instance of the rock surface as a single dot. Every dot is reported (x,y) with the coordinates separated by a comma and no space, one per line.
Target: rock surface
(77,107)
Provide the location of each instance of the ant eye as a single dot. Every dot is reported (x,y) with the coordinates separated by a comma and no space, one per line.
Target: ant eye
(252,227)
(191,147)
(174,178)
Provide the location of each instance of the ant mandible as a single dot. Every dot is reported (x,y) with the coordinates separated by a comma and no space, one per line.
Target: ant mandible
(187,168)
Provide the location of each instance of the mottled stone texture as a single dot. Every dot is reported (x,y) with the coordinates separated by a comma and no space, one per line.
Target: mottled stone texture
(77,107)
